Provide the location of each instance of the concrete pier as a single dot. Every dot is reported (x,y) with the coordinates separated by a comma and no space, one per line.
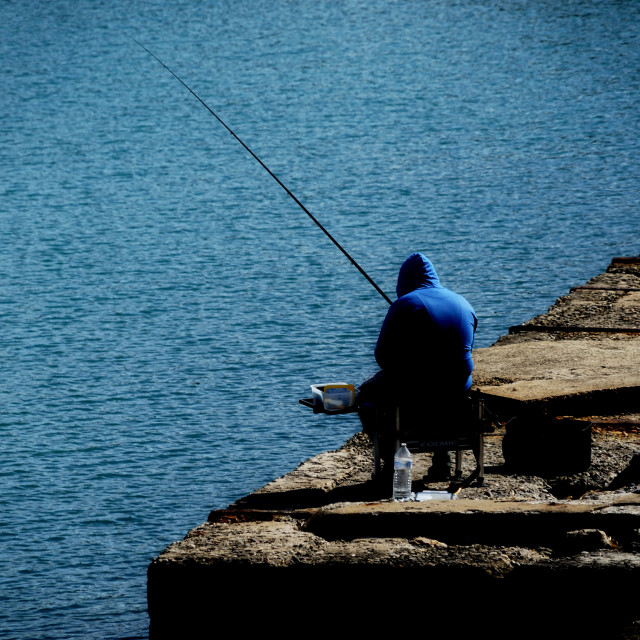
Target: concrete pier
(540,549)
(579,358)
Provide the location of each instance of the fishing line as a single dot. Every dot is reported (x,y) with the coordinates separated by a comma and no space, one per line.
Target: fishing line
(264,166)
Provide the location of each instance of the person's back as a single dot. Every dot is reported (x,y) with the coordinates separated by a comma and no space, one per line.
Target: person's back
(426,341)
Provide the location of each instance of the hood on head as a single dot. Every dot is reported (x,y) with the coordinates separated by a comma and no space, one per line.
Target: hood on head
(417,272)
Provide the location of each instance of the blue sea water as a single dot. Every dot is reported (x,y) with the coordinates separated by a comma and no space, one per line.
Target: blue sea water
(164,304)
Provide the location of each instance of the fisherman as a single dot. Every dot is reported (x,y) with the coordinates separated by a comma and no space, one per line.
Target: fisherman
(424,351)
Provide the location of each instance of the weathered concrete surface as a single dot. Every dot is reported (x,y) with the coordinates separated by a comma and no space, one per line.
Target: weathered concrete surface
(258,569)
(529,371)
(579,377)
(579,358)
(526,555)
(610,301)
(488,522)
(378,532)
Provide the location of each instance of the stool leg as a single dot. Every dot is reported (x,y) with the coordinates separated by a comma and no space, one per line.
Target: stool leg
(458,464)
(396,444)
(480,445)
(481,460)
(376,455)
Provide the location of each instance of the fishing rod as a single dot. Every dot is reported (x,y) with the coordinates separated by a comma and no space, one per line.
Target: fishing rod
(264,166)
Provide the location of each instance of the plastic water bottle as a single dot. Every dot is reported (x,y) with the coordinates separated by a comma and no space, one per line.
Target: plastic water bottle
(402,466)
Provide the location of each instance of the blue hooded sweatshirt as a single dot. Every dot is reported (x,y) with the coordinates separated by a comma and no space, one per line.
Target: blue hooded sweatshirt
(426,340)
